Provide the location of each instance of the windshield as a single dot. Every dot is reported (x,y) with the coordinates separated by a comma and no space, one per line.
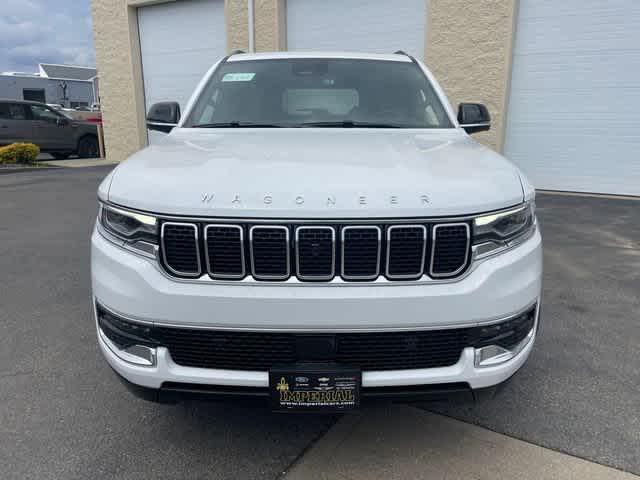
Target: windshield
(319,93)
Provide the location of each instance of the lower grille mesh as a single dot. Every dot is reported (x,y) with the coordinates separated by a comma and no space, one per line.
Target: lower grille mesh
(226,350)
(390,351)
(262,351)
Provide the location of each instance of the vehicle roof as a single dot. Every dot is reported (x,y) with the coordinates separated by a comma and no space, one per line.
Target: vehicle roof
(394,57)
(26,102)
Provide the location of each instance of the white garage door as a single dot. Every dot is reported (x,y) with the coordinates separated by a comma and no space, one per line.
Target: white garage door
(380,26)
(574,110)
(179,41)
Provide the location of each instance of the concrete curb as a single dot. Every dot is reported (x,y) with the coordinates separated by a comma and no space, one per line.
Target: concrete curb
(6,171)
(80,162)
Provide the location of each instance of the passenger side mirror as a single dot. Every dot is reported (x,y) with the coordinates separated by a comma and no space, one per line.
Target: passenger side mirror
(474,117)
(163,116)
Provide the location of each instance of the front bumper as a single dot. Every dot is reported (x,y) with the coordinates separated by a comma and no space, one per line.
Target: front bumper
(166,371)
(494,289)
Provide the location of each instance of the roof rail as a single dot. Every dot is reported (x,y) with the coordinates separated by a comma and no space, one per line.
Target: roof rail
(402,52)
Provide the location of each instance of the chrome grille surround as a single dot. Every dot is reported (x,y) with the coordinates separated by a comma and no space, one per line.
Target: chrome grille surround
(419,273)
(192,274)
(260,276)
(210,271)
(434,246)
(333,253)
(349,228)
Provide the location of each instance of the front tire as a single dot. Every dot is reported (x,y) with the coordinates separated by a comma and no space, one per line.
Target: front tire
(88,147)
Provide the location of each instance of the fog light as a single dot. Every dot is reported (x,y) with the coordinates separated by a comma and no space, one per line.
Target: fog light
(136,354)
(130,341)
(495,354)
(492,355)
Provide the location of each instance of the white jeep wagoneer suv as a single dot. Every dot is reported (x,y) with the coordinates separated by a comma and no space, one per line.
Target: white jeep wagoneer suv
(317,229)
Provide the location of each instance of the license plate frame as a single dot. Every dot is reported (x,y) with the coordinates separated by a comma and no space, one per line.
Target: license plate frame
(315,388)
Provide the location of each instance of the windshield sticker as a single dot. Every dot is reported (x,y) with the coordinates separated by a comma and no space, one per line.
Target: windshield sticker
(238,77)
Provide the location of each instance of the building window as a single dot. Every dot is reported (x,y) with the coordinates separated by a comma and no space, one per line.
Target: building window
(34,94)
(79,104)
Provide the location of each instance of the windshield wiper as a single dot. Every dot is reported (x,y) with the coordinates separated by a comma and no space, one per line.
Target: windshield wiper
(236,125)
(351,124)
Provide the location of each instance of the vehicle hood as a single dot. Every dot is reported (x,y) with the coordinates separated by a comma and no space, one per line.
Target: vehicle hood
(315,173)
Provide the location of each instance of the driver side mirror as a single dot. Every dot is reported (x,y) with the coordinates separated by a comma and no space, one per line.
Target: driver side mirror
(61,122)
(474,117)
(163,116)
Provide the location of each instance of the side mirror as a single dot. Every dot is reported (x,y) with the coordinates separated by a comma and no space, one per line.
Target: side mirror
(474,117)
(163,116)
(61,122)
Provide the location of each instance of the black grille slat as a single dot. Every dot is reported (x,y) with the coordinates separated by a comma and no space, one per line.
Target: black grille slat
(315,253)
(405,251)
(225,251)
(270,252)
(360,253)
(180,248)
(450,249)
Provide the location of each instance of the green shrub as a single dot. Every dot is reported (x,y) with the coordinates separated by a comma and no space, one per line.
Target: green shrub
(19,153)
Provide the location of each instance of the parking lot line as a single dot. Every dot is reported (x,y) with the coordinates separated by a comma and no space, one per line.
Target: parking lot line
(401,442)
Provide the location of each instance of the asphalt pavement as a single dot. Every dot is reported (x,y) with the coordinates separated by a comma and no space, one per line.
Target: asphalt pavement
(64,415)
(579,392)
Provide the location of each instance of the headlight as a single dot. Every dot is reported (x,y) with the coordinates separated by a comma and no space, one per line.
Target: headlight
(498,231)
(134,230)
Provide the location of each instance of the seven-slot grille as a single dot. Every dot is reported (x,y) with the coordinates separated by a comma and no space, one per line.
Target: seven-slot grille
(316,252)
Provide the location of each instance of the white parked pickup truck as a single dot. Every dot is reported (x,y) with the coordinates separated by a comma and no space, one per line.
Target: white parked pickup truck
(317,230)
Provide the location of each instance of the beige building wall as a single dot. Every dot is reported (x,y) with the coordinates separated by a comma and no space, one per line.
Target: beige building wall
(269,25)
(236,16)
(469,50)
(115,29)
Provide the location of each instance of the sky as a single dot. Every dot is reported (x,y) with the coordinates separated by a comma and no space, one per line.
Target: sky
(45,31)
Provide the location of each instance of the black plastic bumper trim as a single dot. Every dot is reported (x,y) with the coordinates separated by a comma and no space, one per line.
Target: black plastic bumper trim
(172,392)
